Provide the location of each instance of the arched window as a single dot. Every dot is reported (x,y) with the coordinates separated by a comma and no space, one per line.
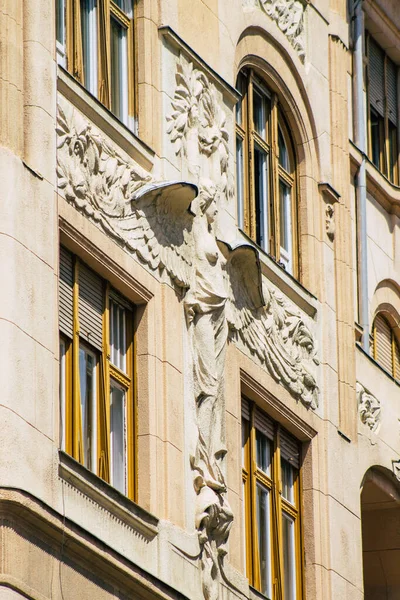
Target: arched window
(265,171)
(386,349)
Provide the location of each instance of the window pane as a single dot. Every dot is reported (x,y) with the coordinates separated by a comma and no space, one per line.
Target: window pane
(118,438)
(62,393)
(264,540)
(60,21)
(241,87)
(245,428)
(119,71)
(375,144)
(118,335)
(287,481)
(87,381)
(89,44)
(283,152)
(239,179)
(261,196)
(260,112)
(125,5)
(289,560)
(392,152)
(263,452)
(285,209)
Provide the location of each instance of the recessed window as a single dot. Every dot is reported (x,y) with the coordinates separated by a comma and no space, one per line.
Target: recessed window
(386,348)
(383,111)
(271,466)
(265,172)
(96,374)
(95,43)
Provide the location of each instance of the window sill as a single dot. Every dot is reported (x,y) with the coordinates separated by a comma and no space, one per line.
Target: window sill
(384,191)
(106,496)
(286,283)
(98,114)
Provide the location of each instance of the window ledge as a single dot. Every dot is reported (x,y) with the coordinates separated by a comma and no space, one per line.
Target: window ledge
(106,496)
(286,283)
(73,91)
(384,192)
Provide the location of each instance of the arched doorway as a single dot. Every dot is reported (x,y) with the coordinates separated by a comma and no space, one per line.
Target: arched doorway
(380,517)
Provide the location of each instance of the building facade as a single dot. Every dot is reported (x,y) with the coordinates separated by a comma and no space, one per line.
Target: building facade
(200,308)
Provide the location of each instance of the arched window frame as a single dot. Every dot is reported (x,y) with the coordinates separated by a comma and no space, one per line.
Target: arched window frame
(262,204)
(394,344)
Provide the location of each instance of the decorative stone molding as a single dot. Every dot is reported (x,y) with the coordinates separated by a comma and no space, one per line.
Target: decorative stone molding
(197,126)
(168,229)
(289,17)
(330,221)
(369,408)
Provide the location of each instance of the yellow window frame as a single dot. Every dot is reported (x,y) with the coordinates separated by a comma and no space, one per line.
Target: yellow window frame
(72,420)
(251,476)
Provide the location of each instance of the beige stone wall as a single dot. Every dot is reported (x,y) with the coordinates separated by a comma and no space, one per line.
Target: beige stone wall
(64,532)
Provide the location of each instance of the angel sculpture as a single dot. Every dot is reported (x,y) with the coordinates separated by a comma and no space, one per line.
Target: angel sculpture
(171,231)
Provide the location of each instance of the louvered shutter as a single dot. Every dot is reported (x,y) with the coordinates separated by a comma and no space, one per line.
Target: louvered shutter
(376,61)
(391,82)
(396,359)
(383,343)
(290,449)
(65,292)
(264,424)
(245,409)
(90,307)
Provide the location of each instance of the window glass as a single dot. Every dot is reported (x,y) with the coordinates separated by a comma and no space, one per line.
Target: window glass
(125,5)
(118,335)
(87,382)
(60,20)
(288,543)
(260,112)
(239,179)
(264,539)
(62,386)
(118,437)
(375,138)
(261,196)
(119,70)
(263,452)
(283,152)
(241,87)
(89,44)
(287,481)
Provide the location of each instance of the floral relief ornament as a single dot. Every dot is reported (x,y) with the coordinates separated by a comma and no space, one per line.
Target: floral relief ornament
(289,17)
(369,408)
(196,126)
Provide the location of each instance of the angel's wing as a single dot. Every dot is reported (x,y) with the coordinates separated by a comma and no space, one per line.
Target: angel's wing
(157,227)
(268,326)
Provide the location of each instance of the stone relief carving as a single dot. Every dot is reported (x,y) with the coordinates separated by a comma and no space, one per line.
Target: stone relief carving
(330,221)
(197,127)
(289,16)
(171,230)
(369,408)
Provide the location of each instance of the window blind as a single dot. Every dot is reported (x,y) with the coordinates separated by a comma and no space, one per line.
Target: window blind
(264,424)
(245,409)
(383,343)
(391,82)
(290,450)
(90,309)
(376,73)
(65,293)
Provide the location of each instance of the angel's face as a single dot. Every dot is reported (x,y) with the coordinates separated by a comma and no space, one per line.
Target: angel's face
(211,212)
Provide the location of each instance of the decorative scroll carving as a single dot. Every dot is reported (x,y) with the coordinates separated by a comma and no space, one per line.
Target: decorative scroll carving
(150,220)
(330,221)
(369,408)
(289,16)
(197,127)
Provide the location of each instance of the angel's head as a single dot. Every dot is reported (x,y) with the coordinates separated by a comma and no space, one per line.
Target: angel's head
(207,200)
